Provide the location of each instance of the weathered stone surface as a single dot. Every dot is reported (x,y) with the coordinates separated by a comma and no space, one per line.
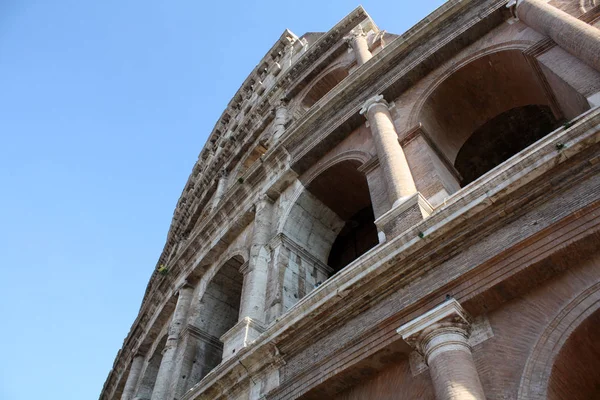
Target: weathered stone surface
(307,234)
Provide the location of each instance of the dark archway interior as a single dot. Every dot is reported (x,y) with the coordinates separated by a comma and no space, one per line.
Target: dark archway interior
(358,236)
(575,372)
(487,111)
(222,298)
(344,190)
(502,137)
(323,86)
(151,372)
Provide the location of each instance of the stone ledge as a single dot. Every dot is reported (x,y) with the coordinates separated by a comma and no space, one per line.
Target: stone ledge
(404,216)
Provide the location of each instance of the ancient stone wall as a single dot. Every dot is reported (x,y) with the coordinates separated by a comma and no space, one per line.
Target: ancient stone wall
(378,214)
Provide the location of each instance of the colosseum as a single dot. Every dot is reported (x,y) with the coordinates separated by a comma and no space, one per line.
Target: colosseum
(390,216)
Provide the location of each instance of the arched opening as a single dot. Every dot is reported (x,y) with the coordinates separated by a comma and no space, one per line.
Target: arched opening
(575,371)
(217,313)
(344,191)
(329,225)
(323,86)
(487,111)
(146,385)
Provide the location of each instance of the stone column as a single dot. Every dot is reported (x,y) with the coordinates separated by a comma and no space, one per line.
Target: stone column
(163,378)
(255,276)
(358,41)
(133,377)
(221,187)
(399,180)
(441,337)
(573,35)
(281,117)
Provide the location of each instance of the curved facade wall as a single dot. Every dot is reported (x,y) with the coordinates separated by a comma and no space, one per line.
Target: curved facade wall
(389,216)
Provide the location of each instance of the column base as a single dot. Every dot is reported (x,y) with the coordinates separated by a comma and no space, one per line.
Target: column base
(404,215)
(241,335)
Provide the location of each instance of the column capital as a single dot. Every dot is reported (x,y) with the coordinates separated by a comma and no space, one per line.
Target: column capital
(280,104)
(513,4)
(373,101)
(355,33)
(222,173)
(448,319)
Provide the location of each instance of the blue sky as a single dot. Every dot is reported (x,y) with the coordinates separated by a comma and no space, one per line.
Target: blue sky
(104,107)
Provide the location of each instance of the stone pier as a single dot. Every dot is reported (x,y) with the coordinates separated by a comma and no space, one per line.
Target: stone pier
(163,379)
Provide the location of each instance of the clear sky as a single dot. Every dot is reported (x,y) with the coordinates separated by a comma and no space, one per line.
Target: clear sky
(104,108)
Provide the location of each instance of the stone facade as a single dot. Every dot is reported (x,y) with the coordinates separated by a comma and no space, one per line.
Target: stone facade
(380,216)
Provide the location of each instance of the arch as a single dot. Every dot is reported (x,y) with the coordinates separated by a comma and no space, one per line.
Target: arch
(354,155)
(327,224)
(413,118)
(358,156)
(323,85)
(326,80)
(222,293)
(148,377)
(216,312)
(500,138)
(333,199)
(485,110)
(540,365)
